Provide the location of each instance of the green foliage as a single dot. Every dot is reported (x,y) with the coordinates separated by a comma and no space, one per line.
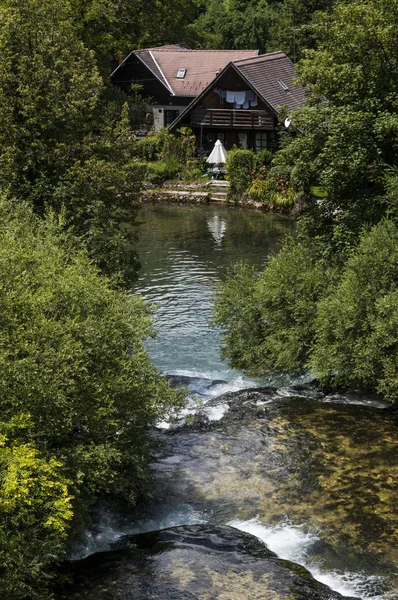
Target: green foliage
(238,313)
(181,147)
(356,340)
(271,189)
(260,24)
(36,509)
(349,132)
(61,145)
(192,170)
(161,171)
(268,320)
(240,166)
(148,148)
(72,358)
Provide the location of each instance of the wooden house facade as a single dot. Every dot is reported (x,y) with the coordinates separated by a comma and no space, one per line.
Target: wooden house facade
(173,76)
(241,105)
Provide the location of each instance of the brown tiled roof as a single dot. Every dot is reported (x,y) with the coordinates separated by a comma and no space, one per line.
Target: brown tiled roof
(262,74)
(268,75)
(202,66)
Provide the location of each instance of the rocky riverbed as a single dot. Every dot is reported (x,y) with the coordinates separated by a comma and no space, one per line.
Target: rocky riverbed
(321,467)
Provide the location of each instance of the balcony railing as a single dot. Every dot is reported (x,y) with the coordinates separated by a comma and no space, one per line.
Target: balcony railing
(256,119)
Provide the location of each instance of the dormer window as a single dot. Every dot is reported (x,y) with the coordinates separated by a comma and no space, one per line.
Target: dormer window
(283,85)
(181,73)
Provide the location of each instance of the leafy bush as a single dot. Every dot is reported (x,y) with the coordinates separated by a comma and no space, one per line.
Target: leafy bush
(36,510)
(357,342)
(191,170)
(240,166)
(268,320)
(181,147)
(73,362)
(161,171)
(148,148)
(264,157)
(271,189)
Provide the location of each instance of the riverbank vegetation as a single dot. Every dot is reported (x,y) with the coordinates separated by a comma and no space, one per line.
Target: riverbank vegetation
(78,393)
(328,302)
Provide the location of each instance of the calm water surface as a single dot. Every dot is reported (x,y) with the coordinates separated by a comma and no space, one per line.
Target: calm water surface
(185,251)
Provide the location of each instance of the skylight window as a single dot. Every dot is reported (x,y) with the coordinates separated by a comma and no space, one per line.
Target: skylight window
(181,73)
(283,85)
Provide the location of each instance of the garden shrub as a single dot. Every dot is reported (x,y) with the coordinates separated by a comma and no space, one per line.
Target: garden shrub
(191,170)
(148,148)
(240,166)
(271,189)
(159,172)
(181,147)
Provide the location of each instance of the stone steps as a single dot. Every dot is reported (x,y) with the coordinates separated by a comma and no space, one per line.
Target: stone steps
(218,190)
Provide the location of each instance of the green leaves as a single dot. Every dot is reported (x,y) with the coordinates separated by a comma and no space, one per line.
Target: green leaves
(355,337)
(78,393)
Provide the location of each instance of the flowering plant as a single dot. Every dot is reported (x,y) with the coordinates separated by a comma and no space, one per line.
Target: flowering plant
(271,188)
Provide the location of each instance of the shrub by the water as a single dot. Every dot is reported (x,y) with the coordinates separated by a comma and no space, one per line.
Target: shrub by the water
(78,394)
(268,319)
(240,165)
(148,148)
(356,340)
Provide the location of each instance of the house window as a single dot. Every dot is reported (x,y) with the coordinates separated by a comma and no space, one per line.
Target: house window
(170,116)
(181,73)
(261,140)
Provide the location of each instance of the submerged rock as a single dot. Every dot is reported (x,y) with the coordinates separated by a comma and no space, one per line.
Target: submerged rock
(193,562)
(331,467)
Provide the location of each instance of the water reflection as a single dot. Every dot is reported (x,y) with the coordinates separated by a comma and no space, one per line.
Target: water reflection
(217,227)
(185,251)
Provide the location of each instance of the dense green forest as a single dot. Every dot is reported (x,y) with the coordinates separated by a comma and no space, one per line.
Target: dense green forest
(78,393)
(328,302)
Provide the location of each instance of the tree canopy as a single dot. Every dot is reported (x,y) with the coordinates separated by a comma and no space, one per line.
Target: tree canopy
(78,393)
(327,302)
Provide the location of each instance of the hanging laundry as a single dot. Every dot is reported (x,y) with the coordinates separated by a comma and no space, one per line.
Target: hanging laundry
(230,96)
(250,96)
(238,105)
(254,102)
(246,104)
(240,97)
(222,93)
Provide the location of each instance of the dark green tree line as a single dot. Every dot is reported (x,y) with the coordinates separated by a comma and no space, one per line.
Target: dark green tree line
(328,301)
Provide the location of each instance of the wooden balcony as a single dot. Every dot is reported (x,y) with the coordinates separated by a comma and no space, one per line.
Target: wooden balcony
(244,119)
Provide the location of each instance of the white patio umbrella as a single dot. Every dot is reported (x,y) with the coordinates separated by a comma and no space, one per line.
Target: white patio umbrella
(218,154)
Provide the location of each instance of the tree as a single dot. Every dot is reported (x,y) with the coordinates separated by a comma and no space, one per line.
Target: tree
(63,145)
(73,361)
(356,342)
(349,131)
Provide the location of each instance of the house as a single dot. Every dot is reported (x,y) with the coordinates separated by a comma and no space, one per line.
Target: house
(172,76)
(241,105)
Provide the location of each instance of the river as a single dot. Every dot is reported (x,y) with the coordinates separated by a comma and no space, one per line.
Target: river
(185,251)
